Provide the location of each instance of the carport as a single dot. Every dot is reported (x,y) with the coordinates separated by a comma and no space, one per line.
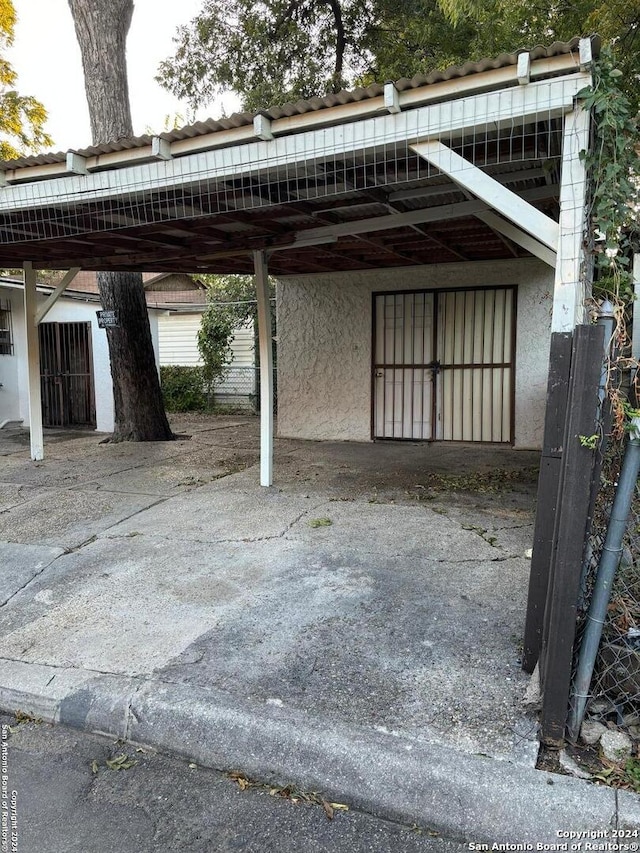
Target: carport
(477,163)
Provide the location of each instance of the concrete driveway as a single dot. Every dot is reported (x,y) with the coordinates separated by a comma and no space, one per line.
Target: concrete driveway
(380,585)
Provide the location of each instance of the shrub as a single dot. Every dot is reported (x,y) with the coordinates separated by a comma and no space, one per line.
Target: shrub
(183,388)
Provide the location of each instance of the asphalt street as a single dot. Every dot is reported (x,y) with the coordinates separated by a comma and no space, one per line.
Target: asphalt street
(68,798)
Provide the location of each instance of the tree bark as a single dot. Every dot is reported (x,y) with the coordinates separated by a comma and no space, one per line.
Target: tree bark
(101,29)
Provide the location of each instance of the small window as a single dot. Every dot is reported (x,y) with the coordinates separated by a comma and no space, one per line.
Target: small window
(6,336)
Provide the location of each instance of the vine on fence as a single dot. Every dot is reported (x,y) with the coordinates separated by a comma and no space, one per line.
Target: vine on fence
(613,164)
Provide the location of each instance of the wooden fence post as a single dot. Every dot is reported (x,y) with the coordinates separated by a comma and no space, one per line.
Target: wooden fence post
(574,498)
(548,482)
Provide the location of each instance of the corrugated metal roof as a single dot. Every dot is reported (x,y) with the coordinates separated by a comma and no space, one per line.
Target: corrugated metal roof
(352,96)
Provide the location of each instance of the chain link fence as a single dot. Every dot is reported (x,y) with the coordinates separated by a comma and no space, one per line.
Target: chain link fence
(239,387)
(614,694)
(609,597)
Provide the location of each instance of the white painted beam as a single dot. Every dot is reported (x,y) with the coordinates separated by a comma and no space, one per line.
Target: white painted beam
(261,276)
(524,68)
(569,291)
(586,56)
(520,237)
(497,196)
(329,233)
(51,300)
(36,434)
(160,148)
(76,164)
(391,98)
(517,105)
(262,127)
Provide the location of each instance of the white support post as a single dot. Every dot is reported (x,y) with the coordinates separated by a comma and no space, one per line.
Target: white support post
(266,368)
(33,362)
(635,334)
(569,289)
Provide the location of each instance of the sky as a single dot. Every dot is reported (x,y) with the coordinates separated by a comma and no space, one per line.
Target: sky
(47,58)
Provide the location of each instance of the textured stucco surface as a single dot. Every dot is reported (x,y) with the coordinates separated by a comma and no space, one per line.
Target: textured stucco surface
(324,343)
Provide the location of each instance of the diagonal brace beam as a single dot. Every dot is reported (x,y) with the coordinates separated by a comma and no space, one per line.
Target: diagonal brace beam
(520,237)
(53,297)
(497,196)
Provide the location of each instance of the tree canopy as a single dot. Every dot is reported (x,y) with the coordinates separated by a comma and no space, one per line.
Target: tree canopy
(275,51)
(22,117)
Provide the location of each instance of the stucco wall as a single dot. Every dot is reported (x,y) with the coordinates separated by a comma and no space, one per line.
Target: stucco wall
(324,344)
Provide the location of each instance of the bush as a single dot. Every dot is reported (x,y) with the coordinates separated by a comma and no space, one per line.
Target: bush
(183,388)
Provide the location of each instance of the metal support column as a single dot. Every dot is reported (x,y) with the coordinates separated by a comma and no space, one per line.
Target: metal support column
(266,368)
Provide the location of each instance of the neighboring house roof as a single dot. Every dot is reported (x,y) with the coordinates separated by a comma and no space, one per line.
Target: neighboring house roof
(69,293)
(157,296)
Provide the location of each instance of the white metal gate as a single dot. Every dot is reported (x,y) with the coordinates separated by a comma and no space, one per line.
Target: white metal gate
(443,365)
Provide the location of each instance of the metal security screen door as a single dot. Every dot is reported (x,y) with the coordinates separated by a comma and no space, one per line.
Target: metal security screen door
(66,374)
(443,365)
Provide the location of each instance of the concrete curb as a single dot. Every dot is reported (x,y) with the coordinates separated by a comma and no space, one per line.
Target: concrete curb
(461,796)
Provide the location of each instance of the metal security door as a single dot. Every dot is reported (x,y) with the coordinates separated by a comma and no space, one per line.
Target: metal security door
(443,365)
(66,375)
(475,344)
(403,366)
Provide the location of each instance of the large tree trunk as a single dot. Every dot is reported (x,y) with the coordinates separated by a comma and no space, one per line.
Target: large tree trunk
(101,29)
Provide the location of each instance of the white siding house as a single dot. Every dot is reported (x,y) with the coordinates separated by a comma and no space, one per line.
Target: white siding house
(178,342)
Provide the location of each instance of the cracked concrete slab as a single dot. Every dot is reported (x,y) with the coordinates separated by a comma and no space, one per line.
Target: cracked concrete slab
(16,495)
(66,518)
(20,564)
(193,468)
(399,614)
(363,621)
(222,511)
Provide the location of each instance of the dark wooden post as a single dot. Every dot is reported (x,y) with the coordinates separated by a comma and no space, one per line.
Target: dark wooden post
(548,482)
(574,497)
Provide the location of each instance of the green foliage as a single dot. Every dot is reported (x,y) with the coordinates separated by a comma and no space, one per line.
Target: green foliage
(22,117)
(589,441)
(505,25)
(183,388)
(283,50)
(275,51)
(614,168)
(231,303)
(214,340)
